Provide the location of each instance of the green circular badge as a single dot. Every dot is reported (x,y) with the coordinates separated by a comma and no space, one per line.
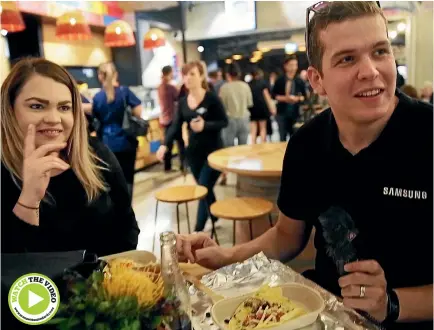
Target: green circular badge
(34,299)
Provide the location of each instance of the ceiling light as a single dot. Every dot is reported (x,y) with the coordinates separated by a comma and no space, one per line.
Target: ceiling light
(237,57)
(393,34)
(200,49)
(401,27)
(228,61)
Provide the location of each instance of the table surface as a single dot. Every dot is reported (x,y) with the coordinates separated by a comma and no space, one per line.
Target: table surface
(257,160)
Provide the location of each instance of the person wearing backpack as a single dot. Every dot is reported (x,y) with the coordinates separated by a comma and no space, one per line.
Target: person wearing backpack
(109,107)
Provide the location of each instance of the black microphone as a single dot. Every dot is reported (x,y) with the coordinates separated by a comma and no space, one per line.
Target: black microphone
(339,232)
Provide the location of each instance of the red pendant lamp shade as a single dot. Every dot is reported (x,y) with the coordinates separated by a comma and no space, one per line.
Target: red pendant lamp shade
(10,17)
(154,38)
(119,34)
(72,26)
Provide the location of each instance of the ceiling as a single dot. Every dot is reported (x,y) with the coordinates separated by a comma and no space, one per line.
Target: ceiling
(132,6)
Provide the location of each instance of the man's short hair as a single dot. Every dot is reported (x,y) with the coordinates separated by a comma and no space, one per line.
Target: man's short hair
(292,57)
(166,70)
(234,70)
(334,12)
(213,74)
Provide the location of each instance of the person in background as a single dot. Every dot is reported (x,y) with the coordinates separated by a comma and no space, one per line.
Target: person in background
(109,106)
(167,98)
(426,94)
(410,91)
(203,111)
(290,92)
(379,175)
(183,91)
(272,77)
(61,190)
(237,99)
(400,81)
(263,106)
(303,76)
(216,79)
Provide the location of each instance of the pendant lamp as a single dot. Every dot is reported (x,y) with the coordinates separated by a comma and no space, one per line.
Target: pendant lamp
(72,26)
(119,34)
(154,38)
(11,19)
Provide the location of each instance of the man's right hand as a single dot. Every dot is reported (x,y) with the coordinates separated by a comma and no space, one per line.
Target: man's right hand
(200,248)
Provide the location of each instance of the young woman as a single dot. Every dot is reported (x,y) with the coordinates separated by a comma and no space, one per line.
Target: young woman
(61,191)
(206,117)
(263,106)
(109,106)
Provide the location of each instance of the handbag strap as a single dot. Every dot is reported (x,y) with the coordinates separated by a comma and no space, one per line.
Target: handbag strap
(126,106)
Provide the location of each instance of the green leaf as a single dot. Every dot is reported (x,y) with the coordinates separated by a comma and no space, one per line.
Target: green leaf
(103,306)
(135,325)
(80,306)
(102,326)
(73,321)
(89,318)
(57,320)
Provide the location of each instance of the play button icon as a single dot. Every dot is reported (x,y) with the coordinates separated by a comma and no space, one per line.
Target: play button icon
(34,299)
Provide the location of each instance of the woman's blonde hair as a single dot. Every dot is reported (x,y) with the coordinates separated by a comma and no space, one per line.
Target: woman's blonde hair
(82,159)
(110,74)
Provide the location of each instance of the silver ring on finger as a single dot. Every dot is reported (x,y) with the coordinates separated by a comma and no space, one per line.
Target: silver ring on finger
(362,291)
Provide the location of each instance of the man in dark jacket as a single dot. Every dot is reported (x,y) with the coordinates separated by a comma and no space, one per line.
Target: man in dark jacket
(290,92)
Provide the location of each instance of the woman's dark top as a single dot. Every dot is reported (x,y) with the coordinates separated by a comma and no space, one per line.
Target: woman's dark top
(106,226)
(259,111)
(203,143)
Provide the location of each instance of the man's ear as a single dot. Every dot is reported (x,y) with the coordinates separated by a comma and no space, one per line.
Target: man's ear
(316,80)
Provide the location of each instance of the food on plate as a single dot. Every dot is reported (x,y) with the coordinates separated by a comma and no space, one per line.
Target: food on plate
(266,308)
(123,277)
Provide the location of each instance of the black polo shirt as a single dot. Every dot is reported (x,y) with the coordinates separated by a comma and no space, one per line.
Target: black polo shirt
(387,188)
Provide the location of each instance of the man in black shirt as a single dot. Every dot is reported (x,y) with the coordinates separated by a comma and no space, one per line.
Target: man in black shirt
(289,91)
(375,150)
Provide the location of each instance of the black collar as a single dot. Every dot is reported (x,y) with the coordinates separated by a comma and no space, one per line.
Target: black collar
(388,136)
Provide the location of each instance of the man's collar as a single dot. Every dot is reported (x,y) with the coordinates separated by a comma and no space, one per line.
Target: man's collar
(332,133)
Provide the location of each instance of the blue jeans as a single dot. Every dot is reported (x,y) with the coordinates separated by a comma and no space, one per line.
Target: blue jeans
(207,177)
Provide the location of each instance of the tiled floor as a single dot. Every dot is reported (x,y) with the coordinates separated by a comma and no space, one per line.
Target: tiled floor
(153,179)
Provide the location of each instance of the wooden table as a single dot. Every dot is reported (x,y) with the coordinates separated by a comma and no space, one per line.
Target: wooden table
(258,168)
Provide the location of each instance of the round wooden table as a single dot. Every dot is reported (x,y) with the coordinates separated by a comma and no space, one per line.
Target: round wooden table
(258,168)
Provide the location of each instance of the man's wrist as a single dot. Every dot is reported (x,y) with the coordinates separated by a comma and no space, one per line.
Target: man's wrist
(393,307)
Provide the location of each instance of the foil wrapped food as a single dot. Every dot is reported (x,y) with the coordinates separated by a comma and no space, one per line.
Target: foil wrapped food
(241,278)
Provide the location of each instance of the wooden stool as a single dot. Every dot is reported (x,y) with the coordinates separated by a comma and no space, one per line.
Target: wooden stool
(180,195)
(242,209)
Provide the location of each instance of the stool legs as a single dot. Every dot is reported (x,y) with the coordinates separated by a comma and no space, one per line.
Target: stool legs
(155,226)
(234,233)
(177,218)
(251,230)
(213,231)
(188,218)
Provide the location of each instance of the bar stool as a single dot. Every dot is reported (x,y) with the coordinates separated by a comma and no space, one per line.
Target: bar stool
(182,195)
(242,209)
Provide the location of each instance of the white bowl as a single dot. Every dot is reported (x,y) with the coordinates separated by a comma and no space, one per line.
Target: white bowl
(307,297)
